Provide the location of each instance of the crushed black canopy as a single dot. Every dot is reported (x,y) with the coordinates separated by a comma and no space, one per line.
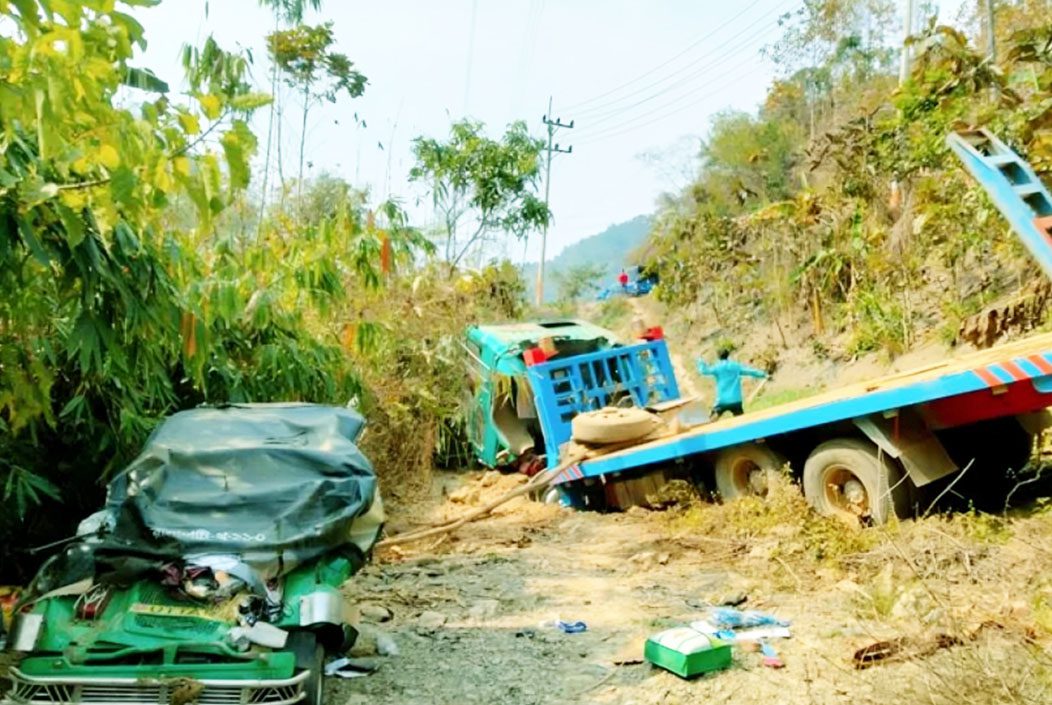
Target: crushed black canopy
(270,485)
(275,484)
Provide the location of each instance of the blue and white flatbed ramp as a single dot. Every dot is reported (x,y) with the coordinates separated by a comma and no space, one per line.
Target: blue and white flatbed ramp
(1007,380)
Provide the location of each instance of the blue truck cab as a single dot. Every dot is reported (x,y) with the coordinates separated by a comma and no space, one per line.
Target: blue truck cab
(640,283)
(526,382)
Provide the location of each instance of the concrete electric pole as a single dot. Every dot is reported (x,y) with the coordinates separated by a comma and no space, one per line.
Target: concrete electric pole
(904,68)
(991,41)
(553,126)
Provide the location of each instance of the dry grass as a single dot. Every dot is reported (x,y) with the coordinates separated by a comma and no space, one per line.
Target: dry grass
(980,581)
(402,450)
(782,523)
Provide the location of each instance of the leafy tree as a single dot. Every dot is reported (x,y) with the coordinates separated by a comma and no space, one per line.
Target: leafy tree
(576,282)
(749,160)
(303,54)
(483,189)
(290,12)
(831,49)
(125,291)
(864,261)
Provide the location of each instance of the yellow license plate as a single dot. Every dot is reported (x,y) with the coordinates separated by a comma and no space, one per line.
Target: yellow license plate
(219,613)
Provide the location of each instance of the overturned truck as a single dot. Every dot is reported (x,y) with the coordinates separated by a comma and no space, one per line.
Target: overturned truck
(865,452)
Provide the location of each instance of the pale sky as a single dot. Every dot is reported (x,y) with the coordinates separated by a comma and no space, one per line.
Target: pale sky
(637,77)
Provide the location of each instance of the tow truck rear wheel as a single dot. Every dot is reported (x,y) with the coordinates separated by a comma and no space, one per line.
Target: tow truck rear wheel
(850,479)
(746,471)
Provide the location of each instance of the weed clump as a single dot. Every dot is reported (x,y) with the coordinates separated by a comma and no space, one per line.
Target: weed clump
(778,525)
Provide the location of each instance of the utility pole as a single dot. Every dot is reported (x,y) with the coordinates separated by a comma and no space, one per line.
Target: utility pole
(991,41)
(553,126)
(904,68)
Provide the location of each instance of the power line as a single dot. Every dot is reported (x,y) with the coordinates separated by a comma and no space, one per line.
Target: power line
(704,87)
(719,49)
(691,92)
(580,105)
(624,129)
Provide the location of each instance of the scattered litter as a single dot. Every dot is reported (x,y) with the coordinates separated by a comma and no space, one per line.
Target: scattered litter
(571,627)
(687,652)
(730,618)
(709,629)
(763,633)
(757,634)
(771,659)
(706,644)
(350,667)
(568,627)
(385,645)
(372,641)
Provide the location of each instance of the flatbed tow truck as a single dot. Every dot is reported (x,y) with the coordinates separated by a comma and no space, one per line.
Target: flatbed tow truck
(861,450)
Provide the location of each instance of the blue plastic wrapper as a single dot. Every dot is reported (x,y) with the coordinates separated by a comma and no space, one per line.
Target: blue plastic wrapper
(730,618)
(572,627)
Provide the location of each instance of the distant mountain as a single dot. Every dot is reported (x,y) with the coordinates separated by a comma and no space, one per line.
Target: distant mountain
(609,249)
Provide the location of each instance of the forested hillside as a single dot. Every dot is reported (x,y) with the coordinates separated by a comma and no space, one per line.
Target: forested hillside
(834,217)
(600,256)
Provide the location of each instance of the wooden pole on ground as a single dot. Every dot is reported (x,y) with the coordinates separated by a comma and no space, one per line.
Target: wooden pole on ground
(538,482)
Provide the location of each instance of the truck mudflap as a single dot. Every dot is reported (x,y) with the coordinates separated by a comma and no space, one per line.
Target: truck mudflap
(39,690)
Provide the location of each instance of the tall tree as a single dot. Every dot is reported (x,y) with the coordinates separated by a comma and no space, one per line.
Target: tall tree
(304,55)
(482,188)
(578,281)
(289,11)
(122,294)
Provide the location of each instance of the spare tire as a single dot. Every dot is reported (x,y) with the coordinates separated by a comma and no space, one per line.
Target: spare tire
(612,425)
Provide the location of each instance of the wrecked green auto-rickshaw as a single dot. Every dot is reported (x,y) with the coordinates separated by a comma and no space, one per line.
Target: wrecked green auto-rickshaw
(213,573)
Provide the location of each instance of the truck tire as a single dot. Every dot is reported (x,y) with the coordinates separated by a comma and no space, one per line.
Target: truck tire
(746,470)
(849,479)
(612,425)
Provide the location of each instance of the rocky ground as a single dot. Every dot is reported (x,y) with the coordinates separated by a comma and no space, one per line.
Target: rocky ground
(961,600)
(965,599)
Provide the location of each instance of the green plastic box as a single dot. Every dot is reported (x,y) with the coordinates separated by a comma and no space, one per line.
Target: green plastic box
(686,652)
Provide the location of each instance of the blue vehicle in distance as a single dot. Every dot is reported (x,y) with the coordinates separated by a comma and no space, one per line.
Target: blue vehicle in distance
(640,283)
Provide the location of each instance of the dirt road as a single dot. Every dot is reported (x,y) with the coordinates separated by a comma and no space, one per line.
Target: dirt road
(469,614)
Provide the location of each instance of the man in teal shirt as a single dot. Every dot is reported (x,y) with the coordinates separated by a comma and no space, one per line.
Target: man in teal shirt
(728,374)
